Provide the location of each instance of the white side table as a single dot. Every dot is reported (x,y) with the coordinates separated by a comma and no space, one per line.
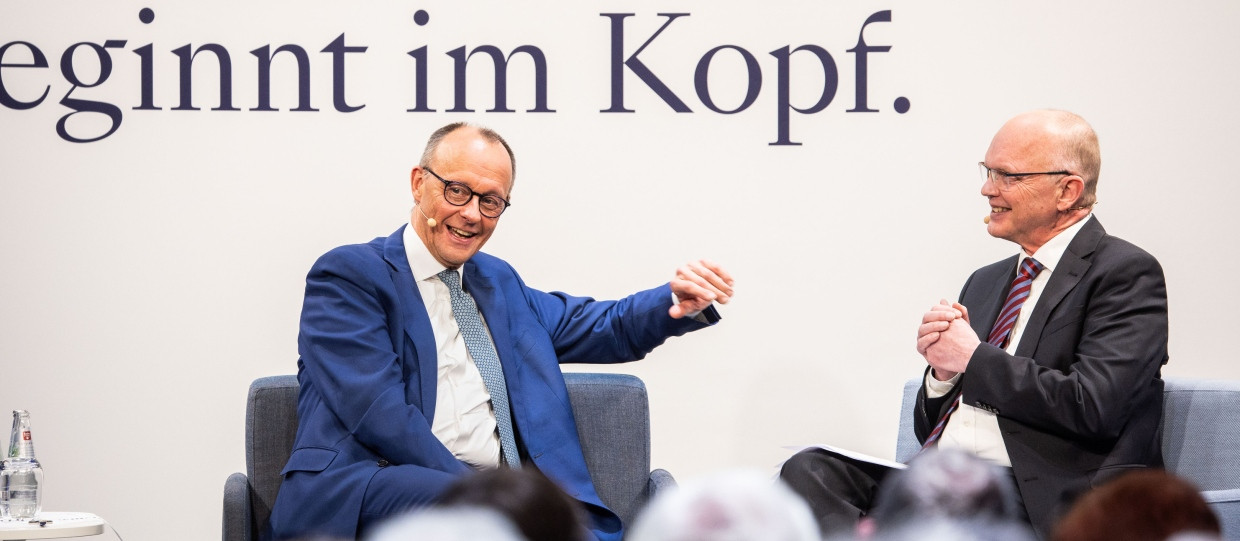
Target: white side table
(52,525)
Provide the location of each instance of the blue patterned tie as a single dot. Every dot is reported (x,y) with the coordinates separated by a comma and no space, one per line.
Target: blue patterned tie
(1001,331)
(478,342)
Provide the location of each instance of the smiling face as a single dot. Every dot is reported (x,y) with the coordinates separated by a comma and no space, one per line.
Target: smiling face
(1035,208)
(466,156)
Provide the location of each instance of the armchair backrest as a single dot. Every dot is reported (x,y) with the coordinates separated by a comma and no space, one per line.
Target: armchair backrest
(906,439)
(613,422)
(1200,439)
(611,410)
(1201,431)
(270,427)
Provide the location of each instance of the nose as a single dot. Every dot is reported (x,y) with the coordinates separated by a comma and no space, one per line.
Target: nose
(989,188)
(470,211)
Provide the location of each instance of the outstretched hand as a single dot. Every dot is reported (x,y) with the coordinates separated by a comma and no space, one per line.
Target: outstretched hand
(697,285)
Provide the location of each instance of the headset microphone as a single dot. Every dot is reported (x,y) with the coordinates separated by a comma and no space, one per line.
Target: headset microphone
(986,220)
(430,222)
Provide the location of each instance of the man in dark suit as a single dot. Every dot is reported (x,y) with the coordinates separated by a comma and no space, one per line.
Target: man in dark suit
(1065,388)
(423,360)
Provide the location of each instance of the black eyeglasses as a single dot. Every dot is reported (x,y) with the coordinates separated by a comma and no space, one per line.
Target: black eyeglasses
(459,194)
(1005,180)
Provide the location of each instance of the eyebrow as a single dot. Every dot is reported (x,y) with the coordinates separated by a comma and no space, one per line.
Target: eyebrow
(462,183)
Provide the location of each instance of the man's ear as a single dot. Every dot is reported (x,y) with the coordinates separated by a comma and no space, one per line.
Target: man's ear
(416,176)
(1070,190)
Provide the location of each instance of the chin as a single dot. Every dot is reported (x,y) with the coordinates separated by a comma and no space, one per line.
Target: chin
(457,261)
(1000,233)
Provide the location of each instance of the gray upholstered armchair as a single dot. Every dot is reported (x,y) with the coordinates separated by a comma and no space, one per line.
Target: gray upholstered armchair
(1200,441)
(613,421)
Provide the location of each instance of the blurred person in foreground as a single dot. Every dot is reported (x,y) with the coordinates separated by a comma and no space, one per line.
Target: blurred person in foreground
(948,484)
(447,524)
(536,505)
(424,360)
(1148,505)
(733,506)
(1049,364)
(946,529)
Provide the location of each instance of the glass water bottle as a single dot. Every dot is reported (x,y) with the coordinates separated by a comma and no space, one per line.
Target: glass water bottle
(22,495)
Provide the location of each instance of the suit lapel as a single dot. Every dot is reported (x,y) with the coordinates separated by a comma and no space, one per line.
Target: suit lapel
(491,304)
(1072,267)
(417,324)
(983,317)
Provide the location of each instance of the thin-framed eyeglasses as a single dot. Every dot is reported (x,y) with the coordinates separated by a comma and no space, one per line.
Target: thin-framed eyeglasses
(1005,180)
(458,194)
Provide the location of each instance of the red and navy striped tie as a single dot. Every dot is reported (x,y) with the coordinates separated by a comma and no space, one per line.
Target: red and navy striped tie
(1002,330)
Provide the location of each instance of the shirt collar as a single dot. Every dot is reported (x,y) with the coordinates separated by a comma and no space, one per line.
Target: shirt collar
(421,262)
(1051,252)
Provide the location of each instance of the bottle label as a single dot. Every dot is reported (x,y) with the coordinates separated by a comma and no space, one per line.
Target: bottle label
(26,435)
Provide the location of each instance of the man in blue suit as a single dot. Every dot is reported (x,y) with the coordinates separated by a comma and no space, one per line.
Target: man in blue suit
(393,408)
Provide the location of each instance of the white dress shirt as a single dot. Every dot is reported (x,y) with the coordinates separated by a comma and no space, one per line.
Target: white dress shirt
(464,421)
(976,430)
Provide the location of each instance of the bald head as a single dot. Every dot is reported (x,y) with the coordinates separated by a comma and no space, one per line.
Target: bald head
(1041,175)
(1065,140)
(436,139)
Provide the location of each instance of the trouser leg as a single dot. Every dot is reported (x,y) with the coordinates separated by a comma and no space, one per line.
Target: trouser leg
(398,489)
(838,492)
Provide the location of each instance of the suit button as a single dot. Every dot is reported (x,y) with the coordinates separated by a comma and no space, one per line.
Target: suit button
(383,463)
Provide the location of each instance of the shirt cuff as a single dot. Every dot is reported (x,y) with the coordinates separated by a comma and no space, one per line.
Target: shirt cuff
(936,388)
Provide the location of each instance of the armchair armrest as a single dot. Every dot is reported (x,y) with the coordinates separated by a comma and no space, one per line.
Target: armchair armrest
(236,526)
(660,479)
(1225,504)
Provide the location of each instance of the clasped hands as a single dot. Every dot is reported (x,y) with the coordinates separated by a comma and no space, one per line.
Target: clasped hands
(697,284)
(946,340)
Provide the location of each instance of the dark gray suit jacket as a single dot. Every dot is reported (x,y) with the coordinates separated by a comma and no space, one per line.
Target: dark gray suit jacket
(1081,400)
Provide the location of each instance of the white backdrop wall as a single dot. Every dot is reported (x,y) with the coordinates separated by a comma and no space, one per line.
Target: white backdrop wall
(150,275)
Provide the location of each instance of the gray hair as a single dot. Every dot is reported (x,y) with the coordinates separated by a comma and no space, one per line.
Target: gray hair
(737,506)
(1080,149)
(946,483)
(447,524)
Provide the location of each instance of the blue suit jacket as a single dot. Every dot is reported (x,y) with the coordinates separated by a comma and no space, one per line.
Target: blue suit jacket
(368,378)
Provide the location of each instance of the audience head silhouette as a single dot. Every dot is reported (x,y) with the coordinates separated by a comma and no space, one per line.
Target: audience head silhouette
(1142,505)
(443,524)
(951,529)
(946,483)
(737,506)
(534,503)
